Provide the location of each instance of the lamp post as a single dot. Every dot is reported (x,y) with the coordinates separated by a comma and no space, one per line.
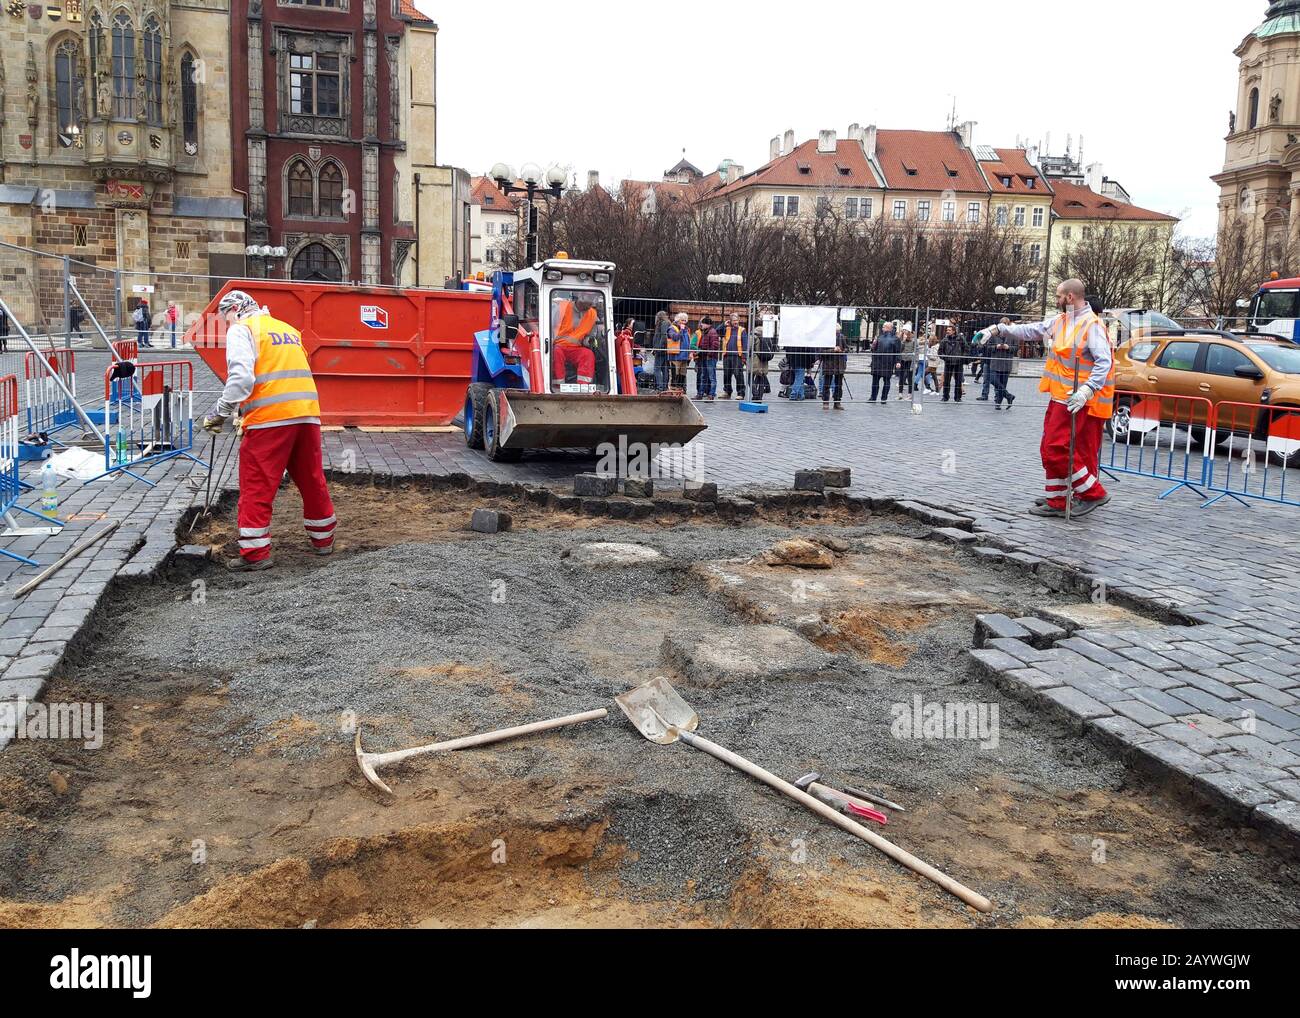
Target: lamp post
(1011,293)
(264,256)
(534,185)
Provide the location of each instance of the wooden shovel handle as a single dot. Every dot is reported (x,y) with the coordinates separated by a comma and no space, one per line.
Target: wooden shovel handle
(380,759)
(971,898)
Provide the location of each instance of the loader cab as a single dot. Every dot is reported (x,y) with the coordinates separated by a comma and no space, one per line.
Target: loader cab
(565,299)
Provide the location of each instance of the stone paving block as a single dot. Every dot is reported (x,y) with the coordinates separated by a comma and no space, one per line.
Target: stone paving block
(1207,685)
(700,491)
(1131,674)
(1032,678)
(38,666)
(489,521)
(21,689)
(1076,706)
(1264,752)
(837,477)
(1204,702)
(1212,727)
(1091,651)
(1287,789)
(993,661)
(1042,634)
(1163,701)
(1259,691)
(1193,738)
(639,487)
(989,555)
(1019,650)
(1279,717)
(1260,773)
(1141,713)
(1281,817)
(952,535)
(809,480)
(1120,733)
(595,485)
(996,626)
(1178,757)
(1233,793)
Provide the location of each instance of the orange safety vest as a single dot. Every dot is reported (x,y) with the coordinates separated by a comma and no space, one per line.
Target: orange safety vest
(1068,358)
(741,335)
(283,388)
(568,333)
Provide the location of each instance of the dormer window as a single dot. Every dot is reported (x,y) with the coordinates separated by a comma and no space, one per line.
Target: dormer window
(1006,181)
(805,169)
(844,170)
(1031,182)
(910,170)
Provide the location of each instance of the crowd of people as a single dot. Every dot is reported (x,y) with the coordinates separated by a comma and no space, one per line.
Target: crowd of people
(936,365)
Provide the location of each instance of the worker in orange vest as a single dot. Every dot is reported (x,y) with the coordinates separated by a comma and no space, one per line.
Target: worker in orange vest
(573,324)
(1078,348)
(269,381)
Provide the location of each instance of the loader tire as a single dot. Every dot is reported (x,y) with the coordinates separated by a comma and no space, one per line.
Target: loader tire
(492,433)
(476,400)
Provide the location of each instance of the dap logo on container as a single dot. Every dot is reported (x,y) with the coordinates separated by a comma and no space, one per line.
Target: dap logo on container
(373,316)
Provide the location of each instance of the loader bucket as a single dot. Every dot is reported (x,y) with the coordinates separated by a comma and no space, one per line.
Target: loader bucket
(578,421)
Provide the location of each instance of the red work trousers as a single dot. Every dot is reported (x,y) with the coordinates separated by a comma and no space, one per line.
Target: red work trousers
(582,358)
(1055,450)
(264,455)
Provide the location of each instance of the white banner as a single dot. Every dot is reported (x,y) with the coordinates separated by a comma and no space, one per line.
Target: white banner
(808,327)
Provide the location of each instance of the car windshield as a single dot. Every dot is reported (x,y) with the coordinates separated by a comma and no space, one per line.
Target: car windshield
(1150,320)
(1279,357)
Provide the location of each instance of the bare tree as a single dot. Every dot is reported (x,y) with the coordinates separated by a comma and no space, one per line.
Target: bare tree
(1217,273)
(1121,263)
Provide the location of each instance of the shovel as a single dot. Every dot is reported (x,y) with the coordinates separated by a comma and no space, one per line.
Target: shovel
(663,717)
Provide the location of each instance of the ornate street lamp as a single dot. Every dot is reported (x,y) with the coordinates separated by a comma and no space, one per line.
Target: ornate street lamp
(535,184)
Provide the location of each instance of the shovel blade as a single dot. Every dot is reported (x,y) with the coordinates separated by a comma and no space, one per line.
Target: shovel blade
(657,712)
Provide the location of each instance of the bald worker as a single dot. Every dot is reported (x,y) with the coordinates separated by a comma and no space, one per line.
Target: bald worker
(1079,377)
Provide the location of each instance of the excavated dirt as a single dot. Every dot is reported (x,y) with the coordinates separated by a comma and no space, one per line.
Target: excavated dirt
(226,793)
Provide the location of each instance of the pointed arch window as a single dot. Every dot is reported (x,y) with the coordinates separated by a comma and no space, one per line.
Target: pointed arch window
(153,70)
(317,263)
(331,191)
(301,198)
(67,88)
(123,66)
(189,102)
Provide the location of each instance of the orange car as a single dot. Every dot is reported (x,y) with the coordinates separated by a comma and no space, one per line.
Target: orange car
(1218,367)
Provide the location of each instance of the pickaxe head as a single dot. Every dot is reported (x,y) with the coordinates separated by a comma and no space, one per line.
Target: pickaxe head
(363,761)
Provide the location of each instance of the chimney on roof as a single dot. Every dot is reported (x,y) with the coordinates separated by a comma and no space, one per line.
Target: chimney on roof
(1031,154)
(826,142)
(788,145)
(855,133)
(734,172)
(774,151)
(967,132)
(593,179)
(1096,177)
(869,141)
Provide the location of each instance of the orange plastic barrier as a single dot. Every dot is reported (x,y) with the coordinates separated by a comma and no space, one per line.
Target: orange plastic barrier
(381,357)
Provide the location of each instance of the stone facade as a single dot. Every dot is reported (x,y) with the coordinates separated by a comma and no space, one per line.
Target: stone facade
(322,139)
(1261,171)
(125,172)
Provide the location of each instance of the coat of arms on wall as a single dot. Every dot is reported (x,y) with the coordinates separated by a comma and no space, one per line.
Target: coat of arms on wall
(16,8)
(72,8)
(34,11)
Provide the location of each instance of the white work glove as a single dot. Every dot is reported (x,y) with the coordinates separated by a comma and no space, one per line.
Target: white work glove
(214,424)
(1079,398)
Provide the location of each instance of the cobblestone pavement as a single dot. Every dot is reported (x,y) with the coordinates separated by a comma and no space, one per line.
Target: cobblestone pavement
(1209,697)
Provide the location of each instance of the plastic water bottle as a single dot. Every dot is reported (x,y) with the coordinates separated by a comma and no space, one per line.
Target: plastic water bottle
(49,491)
(121,447)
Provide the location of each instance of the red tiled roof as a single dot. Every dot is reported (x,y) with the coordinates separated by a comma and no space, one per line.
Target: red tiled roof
(412,12)
(1074,201)
(1013,163)
(823,170)
(484,191)
(671,191)
(927,161)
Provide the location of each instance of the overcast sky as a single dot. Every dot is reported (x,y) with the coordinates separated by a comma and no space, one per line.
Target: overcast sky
(1147,85)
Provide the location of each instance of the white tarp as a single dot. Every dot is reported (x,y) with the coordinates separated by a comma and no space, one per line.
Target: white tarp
(808,327)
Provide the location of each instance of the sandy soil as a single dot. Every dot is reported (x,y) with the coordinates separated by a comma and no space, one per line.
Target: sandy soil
(223,796)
